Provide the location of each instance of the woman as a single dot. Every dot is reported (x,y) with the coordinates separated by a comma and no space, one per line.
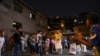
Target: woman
(32,41)
(2,40)
(72,48)
(22,41)
(58,38)
(47,42)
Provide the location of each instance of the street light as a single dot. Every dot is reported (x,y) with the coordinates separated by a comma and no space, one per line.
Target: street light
(48,27)
(75,20)
(62,25)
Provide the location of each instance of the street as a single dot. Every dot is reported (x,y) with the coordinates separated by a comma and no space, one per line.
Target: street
(65,53)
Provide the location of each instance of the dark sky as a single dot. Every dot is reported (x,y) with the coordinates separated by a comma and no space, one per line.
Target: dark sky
(64,7)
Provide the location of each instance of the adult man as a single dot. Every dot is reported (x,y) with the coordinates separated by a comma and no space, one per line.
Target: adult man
(17,41)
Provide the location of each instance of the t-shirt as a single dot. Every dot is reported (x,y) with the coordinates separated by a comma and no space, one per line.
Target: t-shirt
(22,39)
(39,39)
(17,38)
(95,35)
(47,42)
(2,40)
(58,37)
(32,41)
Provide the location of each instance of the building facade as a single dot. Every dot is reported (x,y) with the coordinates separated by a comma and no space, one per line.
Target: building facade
(14,12)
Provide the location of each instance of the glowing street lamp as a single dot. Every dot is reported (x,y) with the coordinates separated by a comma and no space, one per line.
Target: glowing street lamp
(62,25)
(75,20)
(48,27)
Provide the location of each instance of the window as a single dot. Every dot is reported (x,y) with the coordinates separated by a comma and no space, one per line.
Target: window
(18,7)
(32,16)
(17,24)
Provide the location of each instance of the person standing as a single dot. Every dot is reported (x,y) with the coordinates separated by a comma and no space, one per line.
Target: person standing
(47,42)
(83,47)
(65,43)
(32,41)
(17,42)
(39,43)
(78,47)
(72,48)
(58,41)
(52,45)
(22,41)
(2,41)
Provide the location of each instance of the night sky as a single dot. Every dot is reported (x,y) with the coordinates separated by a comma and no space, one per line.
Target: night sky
(64,7)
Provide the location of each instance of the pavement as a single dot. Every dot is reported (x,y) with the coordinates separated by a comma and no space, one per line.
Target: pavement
(65,53)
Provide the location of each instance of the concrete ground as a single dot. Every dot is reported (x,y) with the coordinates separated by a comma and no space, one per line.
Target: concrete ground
(65,53)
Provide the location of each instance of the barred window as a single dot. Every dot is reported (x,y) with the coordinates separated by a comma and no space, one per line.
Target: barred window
(18,7)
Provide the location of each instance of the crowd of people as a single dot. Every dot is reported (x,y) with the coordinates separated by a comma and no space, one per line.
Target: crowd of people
(41,43)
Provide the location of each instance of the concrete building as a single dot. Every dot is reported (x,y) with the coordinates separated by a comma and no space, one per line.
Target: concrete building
(13,12)
(30,19)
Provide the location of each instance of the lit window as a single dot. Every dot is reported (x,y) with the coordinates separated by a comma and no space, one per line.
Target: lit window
(32,16)
(17,24)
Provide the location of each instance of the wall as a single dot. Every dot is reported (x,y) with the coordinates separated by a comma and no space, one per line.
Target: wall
(8,15)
